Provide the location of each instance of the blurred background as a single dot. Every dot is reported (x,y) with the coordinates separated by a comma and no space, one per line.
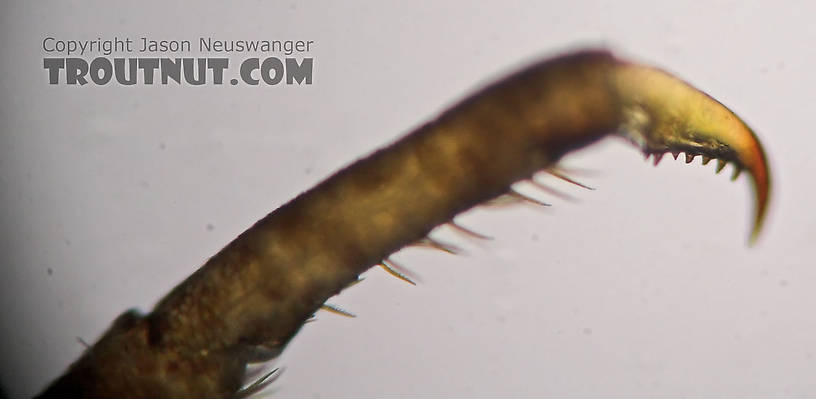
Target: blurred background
(645,287)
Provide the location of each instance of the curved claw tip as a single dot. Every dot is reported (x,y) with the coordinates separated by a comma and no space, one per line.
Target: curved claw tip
(662,113)
(762,186)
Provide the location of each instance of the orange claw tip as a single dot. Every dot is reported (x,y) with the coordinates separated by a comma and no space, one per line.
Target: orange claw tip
(757,167)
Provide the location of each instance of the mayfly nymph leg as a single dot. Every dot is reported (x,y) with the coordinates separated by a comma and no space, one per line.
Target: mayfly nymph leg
(247,302)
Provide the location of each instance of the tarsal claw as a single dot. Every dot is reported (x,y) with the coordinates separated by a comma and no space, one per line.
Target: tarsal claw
(662,113)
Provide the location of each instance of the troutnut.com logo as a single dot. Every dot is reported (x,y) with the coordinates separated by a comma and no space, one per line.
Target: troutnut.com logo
(97,62)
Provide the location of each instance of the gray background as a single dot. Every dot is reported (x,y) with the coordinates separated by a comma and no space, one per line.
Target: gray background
(645,288)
